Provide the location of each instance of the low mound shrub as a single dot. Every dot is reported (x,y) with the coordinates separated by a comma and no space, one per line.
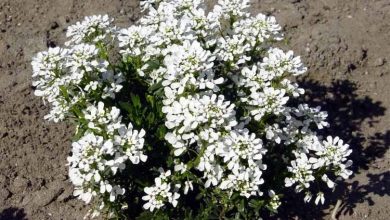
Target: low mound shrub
(191,113)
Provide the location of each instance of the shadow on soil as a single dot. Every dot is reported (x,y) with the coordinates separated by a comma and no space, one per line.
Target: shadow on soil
(13,213)
(347,113)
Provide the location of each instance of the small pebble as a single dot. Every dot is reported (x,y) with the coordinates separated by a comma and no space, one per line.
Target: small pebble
(54,25)
(379,62)
(4,194)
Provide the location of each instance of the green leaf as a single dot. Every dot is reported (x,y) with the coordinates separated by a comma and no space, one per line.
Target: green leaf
(146,215)
(65,93)
(126,106)
(136,101)
(170,161)
(150,100)
(241,206)
(256,203)
(161,131)
(150,118)
(77,112)
(199,196)
(155,87)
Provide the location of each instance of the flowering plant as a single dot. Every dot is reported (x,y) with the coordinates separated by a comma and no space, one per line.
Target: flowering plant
(187,114)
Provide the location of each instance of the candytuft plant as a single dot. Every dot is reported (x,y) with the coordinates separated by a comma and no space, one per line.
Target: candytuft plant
(187,114)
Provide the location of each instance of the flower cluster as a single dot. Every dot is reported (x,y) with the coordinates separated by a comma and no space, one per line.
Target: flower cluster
(92,30)
(222,115)
(70,77)
(101,152)
(77,81)
(160,193)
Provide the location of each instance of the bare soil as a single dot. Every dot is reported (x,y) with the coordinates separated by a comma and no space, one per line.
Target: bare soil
(345,44)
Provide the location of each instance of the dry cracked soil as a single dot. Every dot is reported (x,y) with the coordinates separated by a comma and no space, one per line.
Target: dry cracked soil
(345,44)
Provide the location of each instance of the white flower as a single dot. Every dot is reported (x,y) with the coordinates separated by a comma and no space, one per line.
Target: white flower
(275,200)
(180,167)
(308,196)
(269,100)
(101,118)
(236,8)
(48,68)
(240,146)
(335,152)
(92,29)
(329,182)
(133,40)
(46,64)
(280,63)
(273,132)
(246,181)
(320,198)
(173,199)
(116,190)
(188,186)
(311,115)
(160,193)
(87,163)
(183,62)
(301,169)
(132,143)
(105,187)
(83,58)
(258,29)
(86,196)
(233,50)
(191,113)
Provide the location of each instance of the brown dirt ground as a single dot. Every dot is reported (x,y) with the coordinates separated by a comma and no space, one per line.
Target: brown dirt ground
(345,44)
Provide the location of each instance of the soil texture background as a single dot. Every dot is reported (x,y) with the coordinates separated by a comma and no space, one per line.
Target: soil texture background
(345,44)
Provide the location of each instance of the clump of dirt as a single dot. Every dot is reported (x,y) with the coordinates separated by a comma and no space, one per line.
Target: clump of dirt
(345,44)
